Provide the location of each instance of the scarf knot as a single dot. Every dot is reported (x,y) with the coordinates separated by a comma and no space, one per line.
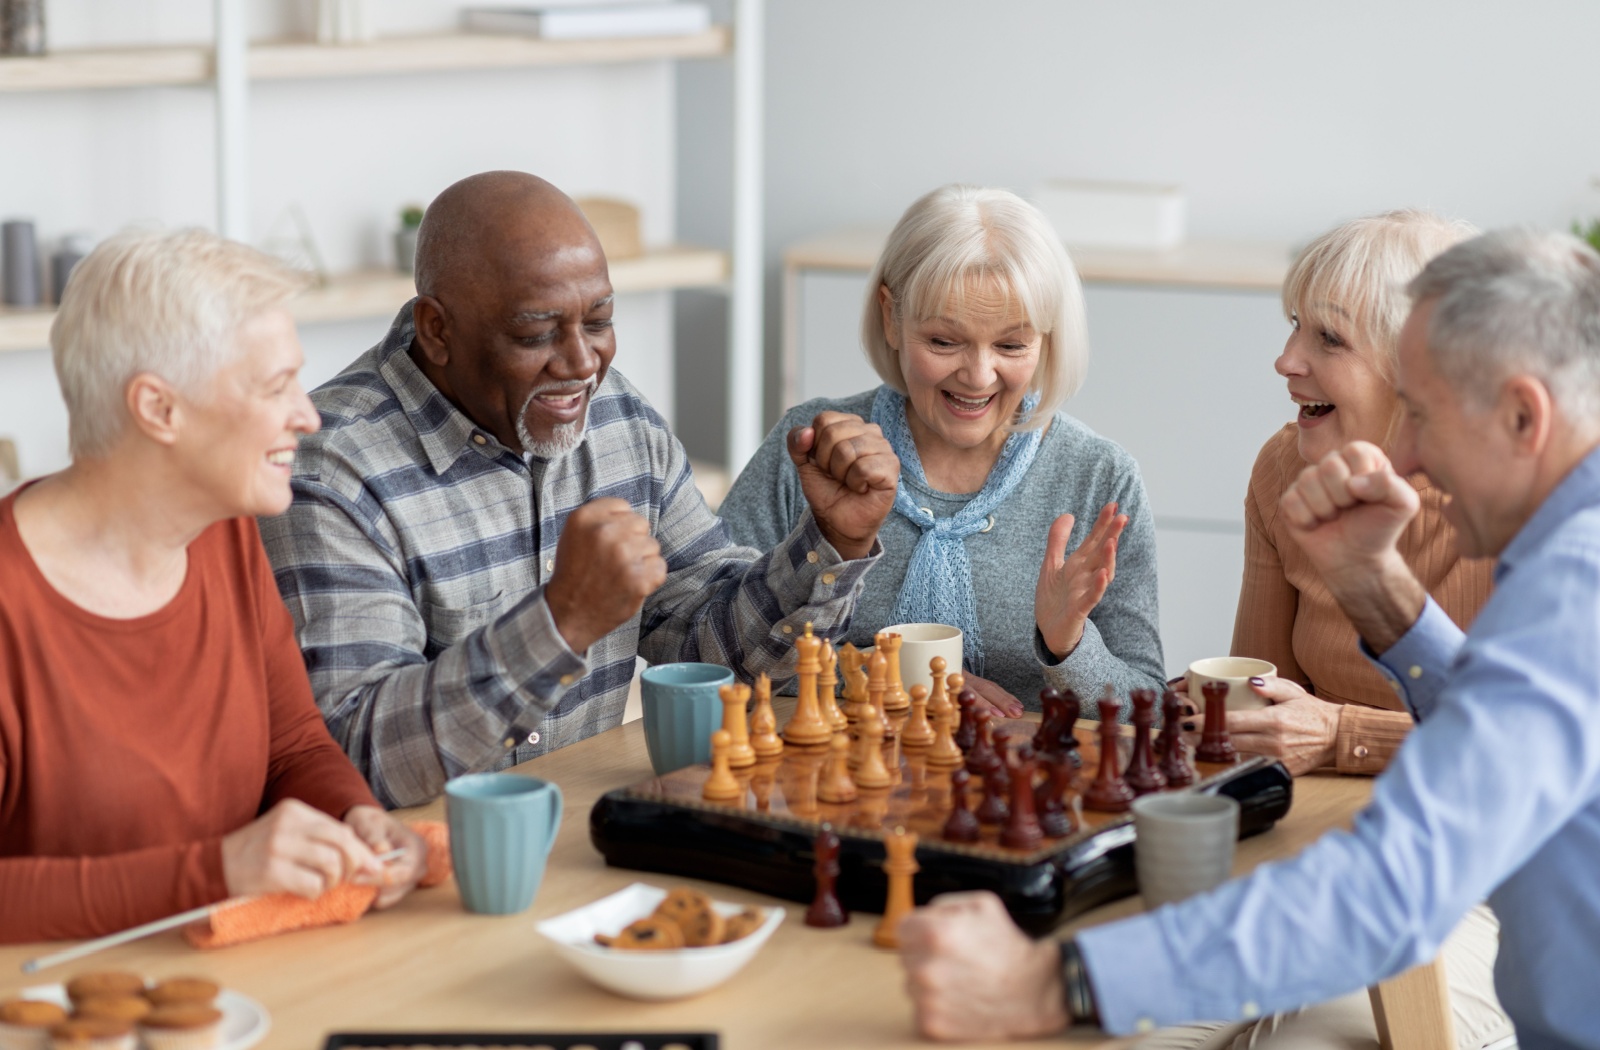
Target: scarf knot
(938,583)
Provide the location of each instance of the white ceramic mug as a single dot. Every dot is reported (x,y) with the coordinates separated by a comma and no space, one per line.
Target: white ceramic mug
(1236,671)
(919,644)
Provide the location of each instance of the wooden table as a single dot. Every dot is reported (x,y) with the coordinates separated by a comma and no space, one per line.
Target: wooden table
(427,965)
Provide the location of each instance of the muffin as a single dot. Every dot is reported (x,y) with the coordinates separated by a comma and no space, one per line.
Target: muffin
(93,1033)
(186,1026)
(128,1008)
(90,985)
(176,990)
(25,1023)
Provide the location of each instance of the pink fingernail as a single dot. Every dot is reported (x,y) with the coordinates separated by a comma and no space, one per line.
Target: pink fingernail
(1258,681)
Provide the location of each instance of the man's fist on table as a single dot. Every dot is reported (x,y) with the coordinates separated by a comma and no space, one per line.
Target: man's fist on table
(849,474)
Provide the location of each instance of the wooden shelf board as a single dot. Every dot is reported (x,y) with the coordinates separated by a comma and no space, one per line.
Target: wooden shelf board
(289,60)
(1231,265)
(379,293)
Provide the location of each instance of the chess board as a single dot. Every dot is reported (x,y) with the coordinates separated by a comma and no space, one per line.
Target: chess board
(764,840)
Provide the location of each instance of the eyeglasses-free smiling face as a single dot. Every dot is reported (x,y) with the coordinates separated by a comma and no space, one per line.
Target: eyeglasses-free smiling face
(967,370)
(1335,381)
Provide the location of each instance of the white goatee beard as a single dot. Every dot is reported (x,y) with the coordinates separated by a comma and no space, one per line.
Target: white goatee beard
(564,437)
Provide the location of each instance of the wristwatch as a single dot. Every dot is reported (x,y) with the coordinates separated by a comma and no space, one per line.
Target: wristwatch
(1075,987)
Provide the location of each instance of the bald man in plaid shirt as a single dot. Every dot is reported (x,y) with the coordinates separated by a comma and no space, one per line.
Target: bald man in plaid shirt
(492,523)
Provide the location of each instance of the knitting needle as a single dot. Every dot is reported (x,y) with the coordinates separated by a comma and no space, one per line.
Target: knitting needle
(171,922)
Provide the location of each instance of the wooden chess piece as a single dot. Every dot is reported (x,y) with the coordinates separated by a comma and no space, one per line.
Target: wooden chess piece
(1215,743)
(1144,776)
(1050,704)
(801,769)
(764,738)
(835,785)
(961,825)
(1022,829)
(981,756)
(826,912)
(854,662)
(1175,760)
(992,809)
(896,700)
(762,777)
(918,733)
(872,774)
(938,696)
(1108,792)
(807,727)
(1055,820)
(721,785)
(945,754)
(900,864)
(734,696)
(967,728)
(827,689)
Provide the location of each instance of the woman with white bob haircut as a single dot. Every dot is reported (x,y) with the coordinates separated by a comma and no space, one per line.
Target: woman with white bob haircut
(159,746)
(974,320)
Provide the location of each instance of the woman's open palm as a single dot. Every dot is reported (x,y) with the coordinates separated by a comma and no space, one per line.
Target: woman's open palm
(1071,585)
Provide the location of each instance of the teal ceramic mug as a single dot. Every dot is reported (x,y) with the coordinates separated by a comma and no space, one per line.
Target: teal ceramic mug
(502,826)
(682,709)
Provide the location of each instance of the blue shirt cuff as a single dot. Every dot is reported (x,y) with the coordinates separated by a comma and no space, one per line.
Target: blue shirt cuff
(1417,664)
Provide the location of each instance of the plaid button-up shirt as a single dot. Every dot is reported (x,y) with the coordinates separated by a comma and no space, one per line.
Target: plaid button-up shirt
(416,553)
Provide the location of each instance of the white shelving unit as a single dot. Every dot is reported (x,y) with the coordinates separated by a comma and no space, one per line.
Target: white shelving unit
(232,64)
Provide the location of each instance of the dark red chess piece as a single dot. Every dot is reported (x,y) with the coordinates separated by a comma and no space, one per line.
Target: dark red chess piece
(1175,762)
(1022,829)
(1144,776)
(1050,798)
(1108,792)
(967,728)
(826,911)
(981,756)
(993,808)
(1050,704)
(1215,743)
(961,825)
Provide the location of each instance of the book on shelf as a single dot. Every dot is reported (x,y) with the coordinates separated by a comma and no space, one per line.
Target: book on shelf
(591,21)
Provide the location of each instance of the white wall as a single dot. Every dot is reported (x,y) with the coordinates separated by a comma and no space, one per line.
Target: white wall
(348,152)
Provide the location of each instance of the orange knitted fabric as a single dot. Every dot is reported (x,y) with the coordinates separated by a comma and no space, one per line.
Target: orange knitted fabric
(256,917)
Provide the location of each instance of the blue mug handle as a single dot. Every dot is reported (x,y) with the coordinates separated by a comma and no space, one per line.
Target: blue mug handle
(553,795)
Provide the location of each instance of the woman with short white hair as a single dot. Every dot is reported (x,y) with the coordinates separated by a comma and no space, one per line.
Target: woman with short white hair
(974,320)
(159,745)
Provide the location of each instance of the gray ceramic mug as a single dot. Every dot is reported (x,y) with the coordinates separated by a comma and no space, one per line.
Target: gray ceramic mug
(502,826)
(682,709)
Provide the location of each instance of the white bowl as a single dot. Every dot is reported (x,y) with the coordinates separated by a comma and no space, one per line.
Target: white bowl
(648,974)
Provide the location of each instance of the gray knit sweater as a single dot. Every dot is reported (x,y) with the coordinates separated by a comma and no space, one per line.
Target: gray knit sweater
(1075,470)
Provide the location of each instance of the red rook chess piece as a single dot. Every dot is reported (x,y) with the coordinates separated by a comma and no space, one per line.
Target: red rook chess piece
(1215,743)
(1144,776)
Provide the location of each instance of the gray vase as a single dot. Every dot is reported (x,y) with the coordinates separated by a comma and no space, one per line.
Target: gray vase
(405,250)
(19,260)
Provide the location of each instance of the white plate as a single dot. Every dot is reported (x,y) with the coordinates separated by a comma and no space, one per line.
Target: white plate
(245,1022)
(648,975)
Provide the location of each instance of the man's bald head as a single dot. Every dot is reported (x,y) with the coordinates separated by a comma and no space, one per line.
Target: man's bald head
(485,220)
(513,312)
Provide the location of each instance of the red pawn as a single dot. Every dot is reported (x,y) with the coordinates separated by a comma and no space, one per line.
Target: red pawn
(967,728)
(961,825)
(826,912)
(1143,774)
(1050,798)
(1175,764)
(1109,793)
(1215,743)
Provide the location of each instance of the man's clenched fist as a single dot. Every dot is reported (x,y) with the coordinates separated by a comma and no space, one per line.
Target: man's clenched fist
(848,473)
(607,564)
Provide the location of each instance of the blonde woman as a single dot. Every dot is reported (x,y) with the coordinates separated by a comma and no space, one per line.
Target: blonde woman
(1345,300)
(159,747)
(1013,521)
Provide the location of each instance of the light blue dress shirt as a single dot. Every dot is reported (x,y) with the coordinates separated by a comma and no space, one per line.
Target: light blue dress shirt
(1495,794)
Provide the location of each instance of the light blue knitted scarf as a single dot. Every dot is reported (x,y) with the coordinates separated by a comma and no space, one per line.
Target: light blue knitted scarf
(938,583)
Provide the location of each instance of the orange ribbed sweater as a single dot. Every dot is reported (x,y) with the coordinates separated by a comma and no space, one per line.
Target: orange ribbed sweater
(129,748)
(1288,616)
